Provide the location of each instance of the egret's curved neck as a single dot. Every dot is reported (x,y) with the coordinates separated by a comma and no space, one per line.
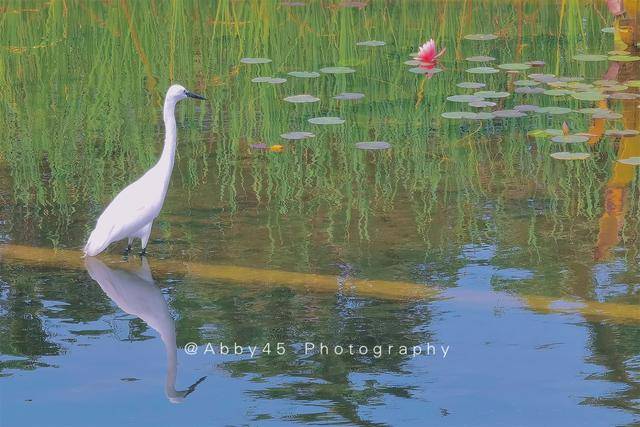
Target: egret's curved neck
(170,131)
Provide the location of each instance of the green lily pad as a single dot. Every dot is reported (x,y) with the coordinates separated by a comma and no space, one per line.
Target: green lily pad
(526,90)
(423,70)
(491,94)
(301,99)
(614,88)
(570,139)
(589,96)
(508,114)
(514,67)
(527,108)
(583,57)
(565,155)
(618,52)
(624,58)
(544,133)
(481,37)
(633,83)
(607,116)
(608,30)
(371,43)
(337,70)
(304,74)
(480,58)
(526,83)
(632,161)
(373,145)
(349,96)
(605,82)
(621,133)
(326,120)
(624,95)
(255,60)
(271,80)
(413,62)
(543,78)
(557,92)
(463,98)
(482,104)
(555,110)
(297,135)
(471,85)
(483,70)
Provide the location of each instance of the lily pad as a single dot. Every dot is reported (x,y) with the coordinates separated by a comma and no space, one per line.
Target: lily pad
(371,43)
(508,114)
(326,120)
(373,145)
(633,83)
(526,90)
(471,85)
(413,62)
(337,70)
(624,58)
(304,74)
(621,133)
(527,108)
(463,98)
(632,161)
(614,88)
(424,70)
(618,52)
(583,57)
(482,104)
(608,30)
(570,139)
(544,133)
(481,116)
(543,78)
(526,83)
(255,60)
(514,67)
(557,92)
(589,96)
(349,96)
(301,99)
(259,146)
(536,63)
(605,82)
(271,80)
(624,95)
(297,135)
(554,110)
(458,115)
(481,37)
(607,116)
(565,155)
(480,58)
(483,70)
(491,94)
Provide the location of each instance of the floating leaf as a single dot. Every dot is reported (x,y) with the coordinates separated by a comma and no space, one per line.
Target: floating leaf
(514,67)
(508,114)
(565,155)
(614,88)
(536,63)
(304,74)
(471,85)
(624,58)
(570,139)
(337,70)
(373,145)
(259,146)
(621,133)
(463,98)
(349,96)
(481,116)
(583,57)
(529,90)
(423,70)
(491,94)
(297,135)
(481,37)
(632,161)
(544,133)
(633,83)
(480,58)
(618,52)
(255,60)
(608,30)
(554,110)
(300,99)
(607,116)
(624,95)
(557,92)
(605,82)
(543,78)
(326,121)
(483,70)
(457,115)
(271,80)
(482,104)
(371,43)
(413,62)
(525,83)
(527,108)
(589,96)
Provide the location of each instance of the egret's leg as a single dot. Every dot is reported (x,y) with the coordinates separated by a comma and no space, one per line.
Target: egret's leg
(129,242)
(144,237)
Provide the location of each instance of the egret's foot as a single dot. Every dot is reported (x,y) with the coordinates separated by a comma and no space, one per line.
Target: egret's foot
(127,251)
(143,252)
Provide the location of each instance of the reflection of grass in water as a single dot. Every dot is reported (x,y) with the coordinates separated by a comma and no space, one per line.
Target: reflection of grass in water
(78,128)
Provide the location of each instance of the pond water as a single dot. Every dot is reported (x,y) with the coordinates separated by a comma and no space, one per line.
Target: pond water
(386,214)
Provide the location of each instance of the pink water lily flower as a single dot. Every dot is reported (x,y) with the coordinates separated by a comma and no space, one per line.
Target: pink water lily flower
(428,56)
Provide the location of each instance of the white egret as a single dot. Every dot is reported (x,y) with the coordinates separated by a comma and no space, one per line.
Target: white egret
(136,293)
(131,213)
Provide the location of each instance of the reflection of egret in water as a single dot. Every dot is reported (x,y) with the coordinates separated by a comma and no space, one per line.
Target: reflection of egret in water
(136,293)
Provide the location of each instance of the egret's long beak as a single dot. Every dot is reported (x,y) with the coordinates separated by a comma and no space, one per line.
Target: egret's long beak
(195,95)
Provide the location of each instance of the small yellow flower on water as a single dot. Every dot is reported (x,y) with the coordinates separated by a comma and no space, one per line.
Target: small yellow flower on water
(276,148)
